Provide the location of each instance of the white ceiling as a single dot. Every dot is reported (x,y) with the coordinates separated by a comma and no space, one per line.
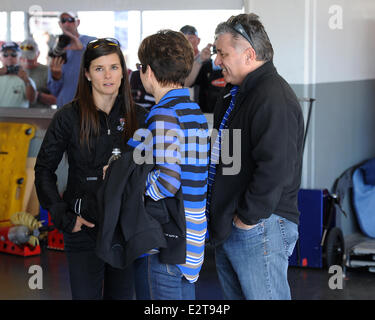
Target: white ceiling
(118,5)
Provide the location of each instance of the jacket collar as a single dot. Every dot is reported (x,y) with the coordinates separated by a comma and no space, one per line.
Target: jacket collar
(251,80)
(172,94)
(115,108)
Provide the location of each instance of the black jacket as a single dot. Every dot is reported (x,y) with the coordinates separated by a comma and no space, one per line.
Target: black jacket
(210,83)
(272,128)
(131,224)
(85,166)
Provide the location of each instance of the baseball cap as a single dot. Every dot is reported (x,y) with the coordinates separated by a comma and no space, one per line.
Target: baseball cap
(73,14)
(10,45)
(29,49)
(189,30)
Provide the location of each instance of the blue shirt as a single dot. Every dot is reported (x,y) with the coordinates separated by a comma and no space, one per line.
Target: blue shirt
(180,146)
(65,88)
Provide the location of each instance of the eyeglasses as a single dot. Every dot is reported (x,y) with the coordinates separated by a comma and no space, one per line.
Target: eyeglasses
(240,29)
(13,54)
(64,20)
(27,47)
(108,41)
(141,66)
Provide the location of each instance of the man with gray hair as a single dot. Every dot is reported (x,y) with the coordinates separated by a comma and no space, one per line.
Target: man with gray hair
(253,215)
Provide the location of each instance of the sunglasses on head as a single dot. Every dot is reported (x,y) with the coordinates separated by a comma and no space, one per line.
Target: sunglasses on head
(240,29)
(98,42)
(13,54)
(70,19)
(141,66)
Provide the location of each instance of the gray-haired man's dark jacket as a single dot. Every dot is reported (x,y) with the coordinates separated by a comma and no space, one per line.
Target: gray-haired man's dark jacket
(270,118)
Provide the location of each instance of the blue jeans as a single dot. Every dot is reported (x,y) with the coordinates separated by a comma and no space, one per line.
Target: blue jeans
(142,291)
(252,264)
(164,281)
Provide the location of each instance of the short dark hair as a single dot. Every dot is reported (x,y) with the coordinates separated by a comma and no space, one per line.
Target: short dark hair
(254,28)
(170,56)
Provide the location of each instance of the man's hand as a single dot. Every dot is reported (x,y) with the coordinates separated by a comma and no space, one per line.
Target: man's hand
(75,43)
(3,71)
(30,91)
(80,222)
(23,75)
(240,225)
(205,54)
(46,98)
(56,67)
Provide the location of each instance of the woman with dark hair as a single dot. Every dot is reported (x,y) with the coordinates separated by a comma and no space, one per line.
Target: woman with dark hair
(101,117)
(180,153)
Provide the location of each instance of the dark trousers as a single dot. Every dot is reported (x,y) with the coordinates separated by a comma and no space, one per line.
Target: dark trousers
(93,279)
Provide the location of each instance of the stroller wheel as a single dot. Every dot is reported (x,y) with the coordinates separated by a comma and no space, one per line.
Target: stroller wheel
(334,248)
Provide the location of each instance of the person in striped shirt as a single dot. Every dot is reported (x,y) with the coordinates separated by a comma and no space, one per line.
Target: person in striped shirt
(180,146)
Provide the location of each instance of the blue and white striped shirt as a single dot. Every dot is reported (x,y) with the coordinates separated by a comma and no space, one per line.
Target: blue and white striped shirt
(216,148)
(180,142)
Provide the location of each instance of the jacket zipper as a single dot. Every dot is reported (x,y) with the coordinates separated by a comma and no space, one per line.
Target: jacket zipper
(108,128)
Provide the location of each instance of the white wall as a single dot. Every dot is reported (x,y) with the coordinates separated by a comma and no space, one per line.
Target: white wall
(118,5)
(284,22)
(345,54)
(306,41)
(325,49)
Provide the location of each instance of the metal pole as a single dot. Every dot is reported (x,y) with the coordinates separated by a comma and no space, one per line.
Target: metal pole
(26,24)
(141,25)
(9,22)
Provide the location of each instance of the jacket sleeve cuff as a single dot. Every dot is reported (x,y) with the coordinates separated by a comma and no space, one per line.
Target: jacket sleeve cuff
(62,218)
(252,216)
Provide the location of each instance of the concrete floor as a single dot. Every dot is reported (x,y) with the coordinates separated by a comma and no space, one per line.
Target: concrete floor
(306,284)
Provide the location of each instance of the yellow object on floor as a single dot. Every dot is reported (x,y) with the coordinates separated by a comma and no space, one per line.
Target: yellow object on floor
(14,146)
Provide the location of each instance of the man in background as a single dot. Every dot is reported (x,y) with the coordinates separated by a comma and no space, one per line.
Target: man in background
(63,74)
(16,88)
(206,79)
(38,72)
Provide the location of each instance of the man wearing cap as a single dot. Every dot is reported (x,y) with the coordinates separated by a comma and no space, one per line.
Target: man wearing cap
(16,88)
(63,77)
(38,72)
(205,77)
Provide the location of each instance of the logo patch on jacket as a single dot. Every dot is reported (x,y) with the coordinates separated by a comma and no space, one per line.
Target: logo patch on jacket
(219,83)
(121,126)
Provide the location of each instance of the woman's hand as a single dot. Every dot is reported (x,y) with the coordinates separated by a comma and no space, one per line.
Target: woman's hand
(104,171)
(80,222)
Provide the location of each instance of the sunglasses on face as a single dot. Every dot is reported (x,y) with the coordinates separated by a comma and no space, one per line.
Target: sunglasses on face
(140,67)
(107,41)
(13,54)
(64,20)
